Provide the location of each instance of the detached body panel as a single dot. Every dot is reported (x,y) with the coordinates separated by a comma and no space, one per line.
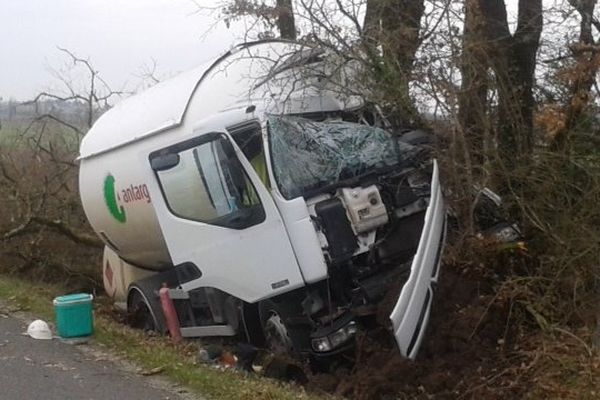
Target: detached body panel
(411,313)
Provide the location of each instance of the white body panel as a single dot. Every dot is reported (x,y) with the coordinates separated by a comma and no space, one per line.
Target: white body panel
(411,313)
(244,263)
(303,238)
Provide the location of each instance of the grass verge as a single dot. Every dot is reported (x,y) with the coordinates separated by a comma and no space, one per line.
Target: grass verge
(177,362)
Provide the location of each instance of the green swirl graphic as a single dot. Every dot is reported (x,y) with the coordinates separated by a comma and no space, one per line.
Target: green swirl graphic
(110,198)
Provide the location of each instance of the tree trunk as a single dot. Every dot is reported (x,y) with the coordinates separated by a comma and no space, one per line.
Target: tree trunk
(585,8)
(513,59)
(395,25)
(401,22)
(587,63)
(285,19)
(473,102)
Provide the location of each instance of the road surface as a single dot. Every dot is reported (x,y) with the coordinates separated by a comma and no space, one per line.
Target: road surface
(53,370)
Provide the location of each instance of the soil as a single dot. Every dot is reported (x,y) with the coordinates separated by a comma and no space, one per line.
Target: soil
(463,354)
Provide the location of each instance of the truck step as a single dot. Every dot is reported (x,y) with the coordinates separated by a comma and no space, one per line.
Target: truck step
(208,330)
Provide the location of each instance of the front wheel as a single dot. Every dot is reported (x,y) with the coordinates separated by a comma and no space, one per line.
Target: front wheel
(140,314)
(280,336)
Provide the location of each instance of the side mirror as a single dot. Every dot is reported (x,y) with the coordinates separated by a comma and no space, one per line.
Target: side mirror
(164,162)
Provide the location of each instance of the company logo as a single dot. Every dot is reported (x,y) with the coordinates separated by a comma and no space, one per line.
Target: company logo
(113,197)
(110,197)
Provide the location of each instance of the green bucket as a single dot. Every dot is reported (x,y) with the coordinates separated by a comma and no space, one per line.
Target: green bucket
(74,317)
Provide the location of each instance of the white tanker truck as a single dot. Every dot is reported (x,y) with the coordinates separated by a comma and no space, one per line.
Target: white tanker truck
(271,205)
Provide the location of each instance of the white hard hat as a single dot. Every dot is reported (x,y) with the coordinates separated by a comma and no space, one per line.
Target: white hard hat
(39,329)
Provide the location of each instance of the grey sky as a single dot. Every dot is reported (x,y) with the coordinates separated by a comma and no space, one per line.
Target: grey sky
(119,37)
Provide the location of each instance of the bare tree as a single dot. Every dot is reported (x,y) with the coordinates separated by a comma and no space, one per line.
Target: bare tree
(279,16)
(42,226)
(95,95)
(581,76)
(473,98)
(396,27)
(513,59)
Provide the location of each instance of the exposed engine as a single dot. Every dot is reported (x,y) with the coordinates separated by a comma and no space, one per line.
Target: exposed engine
(369,234)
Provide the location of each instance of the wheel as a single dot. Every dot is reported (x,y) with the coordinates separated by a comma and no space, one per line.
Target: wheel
(143,303)
(277,336)
(280,337)
(140,314)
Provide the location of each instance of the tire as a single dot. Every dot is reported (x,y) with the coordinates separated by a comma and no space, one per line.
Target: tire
(142,298)
(141,314)
(280,337)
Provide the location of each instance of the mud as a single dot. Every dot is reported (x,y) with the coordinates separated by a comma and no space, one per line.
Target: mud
(465,348)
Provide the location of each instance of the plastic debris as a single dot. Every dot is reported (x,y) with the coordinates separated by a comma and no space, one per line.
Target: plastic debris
(39,329)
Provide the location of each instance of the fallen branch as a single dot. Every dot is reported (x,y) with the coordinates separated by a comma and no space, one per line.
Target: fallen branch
(60,227)
(19,230)
(74,235)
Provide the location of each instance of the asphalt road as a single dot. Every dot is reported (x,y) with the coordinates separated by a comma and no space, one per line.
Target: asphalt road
(53,370)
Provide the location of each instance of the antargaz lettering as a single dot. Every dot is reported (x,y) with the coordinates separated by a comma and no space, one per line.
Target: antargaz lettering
(134,193)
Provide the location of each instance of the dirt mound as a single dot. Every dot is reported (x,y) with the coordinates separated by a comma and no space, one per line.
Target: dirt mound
(462,356)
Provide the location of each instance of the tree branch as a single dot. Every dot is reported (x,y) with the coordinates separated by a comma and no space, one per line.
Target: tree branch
(76,236)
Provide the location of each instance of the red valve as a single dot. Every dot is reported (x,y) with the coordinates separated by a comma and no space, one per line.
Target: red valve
(170,314)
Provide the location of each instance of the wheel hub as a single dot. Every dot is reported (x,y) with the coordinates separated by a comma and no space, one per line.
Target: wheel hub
(278,338)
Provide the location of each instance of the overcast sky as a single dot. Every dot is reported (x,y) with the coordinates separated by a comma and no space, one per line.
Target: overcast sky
(118,36)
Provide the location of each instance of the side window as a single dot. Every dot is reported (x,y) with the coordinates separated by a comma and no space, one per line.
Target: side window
(249,140)
(202,180)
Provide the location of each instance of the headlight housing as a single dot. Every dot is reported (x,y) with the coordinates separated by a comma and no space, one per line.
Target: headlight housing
(335,339)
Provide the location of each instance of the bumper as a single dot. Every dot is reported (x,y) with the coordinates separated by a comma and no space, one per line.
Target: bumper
(411,313)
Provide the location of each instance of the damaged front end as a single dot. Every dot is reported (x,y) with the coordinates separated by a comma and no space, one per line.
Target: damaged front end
(378,210)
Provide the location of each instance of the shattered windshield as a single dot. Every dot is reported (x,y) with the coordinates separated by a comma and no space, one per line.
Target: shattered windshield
(309,155)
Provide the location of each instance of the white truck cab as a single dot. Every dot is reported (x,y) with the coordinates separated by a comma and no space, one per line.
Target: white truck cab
(266,203)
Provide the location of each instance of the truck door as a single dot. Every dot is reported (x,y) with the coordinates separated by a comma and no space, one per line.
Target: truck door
(220,218)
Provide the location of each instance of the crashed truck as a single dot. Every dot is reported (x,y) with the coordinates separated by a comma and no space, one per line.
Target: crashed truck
(271,205)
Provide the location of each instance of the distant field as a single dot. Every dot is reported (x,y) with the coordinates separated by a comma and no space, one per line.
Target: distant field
(15,134)
(10,132)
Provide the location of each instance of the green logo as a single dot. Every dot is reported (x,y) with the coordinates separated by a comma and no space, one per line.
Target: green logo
(110,197)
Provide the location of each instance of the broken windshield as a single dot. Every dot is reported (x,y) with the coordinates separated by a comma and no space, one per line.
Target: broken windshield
(309,155)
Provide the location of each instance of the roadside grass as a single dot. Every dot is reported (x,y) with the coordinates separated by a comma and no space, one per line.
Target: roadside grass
(154,354)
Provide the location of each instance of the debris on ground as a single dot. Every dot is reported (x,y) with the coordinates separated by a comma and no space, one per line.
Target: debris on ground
(153,371)
(39,329)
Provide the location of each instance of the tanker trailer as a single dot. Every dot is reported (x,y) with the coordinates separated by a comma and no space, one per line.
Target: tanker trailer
(270,205)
